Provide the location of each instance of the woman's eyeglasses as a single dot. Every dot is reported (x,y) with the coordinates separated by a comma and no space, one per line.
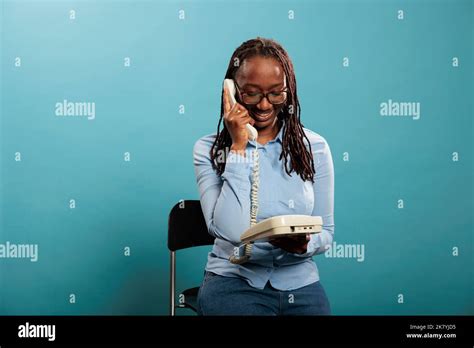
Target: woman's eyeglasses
(275,98)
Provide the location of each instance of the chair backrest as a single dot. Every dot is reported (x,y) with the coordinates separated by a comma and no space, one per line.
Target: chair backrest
(187,227)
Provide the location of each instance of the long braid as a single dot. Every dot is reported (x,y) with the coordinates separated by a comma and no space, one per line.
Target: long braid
(296,156)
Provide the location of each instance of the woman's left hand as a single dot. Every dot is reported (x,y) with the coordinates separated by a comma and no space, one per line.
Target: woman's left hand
(294,244)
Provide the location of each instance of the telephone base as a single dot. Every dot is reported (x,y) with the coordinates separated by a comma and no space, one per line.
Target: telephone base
(283,225)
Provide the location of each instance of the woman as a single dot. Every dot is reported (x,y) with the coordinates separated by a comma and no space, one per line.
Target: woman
(280,278)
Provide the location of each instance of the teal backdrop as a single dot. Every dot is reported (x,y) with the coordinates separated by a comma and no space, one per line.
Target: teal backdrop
(93,192)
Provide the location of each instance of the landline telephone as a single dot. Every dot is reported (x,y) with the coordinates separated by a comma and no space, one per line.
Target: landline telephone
(274,227)
(251,131)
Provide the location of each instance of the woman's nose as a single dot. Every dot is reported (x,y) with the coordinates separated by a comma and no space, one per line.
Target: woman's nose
(264,104)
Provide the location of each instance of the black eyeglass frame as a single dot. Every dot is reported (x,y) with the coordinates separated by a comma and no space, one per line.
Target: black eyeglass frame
(263,95)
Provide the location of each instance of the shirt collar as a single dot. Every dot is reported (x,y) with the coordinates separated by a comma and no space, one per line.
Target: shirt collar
(279,136)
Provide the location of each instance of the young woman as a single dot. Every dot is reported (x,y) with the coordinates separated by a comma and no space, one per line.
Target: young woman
(296,177)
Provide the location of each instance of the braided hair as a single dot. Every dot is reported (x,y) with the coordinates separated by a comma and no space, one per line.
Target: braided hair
(294,152)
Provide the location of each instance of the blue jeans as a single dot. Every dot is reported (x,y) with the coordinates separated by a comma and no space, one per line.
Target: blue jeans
(220,295)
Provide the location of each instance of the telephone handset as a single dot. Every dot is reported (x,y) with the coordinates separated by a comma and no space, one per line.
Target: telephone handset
(229,83)
(274,227)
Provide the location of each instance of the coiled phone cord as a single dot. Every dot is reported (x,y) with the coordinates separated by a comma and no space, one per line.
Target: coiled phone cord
(253,206)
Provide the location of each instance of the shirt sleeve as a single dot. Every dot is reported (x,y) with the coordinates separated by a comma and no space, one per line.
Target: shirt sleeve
(225,200)
(323,188)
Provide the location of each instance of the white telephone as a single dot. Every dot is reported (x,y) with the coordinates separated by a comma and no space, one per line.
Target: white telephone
(282,225)
(274,227)
(229,83)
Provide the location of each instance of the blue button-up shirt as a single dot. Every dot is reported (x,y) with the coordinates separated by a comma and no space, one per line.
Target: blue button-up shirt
(225,201)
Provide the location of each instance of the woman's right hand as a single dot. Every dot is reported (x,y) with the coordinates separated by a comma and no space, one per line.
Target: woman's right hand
(235,119)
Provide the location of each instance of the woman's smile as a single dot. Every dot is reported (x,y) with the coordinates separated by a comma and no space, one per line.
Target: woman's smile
(262,116)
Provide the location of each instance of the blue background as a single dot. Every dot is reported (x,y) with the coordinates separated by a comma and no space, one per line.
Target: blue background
(182,62)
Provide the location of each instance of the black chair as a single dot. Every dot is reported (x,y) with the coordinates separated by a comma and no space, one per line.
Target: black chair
(186,228)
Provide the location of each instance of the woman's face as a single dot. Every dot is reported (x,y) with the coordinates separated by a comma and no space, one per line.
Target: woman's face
(261,75)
